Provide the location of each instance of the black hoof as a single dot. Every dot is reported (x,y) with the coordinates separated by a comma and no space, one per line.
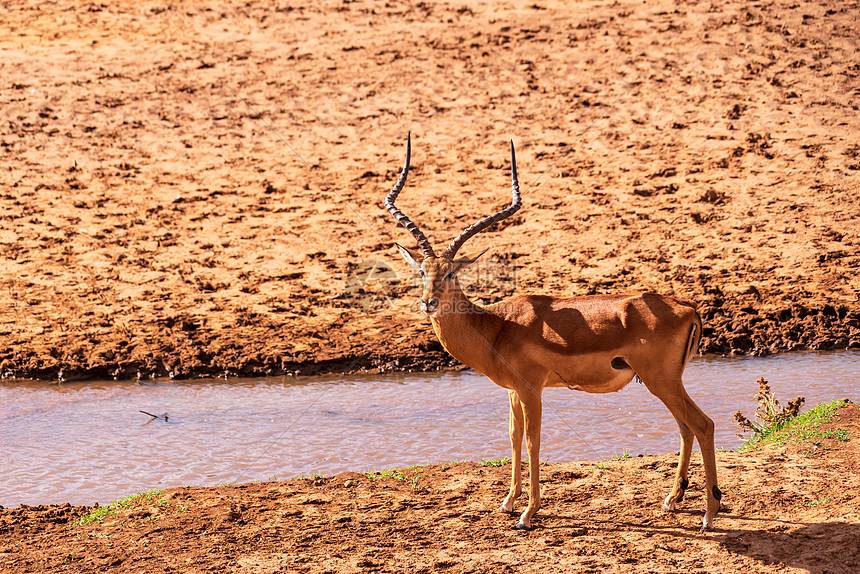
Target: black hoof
(520,526)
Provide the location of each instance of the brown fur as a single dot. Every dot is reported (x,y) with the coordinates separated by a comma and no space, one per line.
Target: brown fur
(529,342)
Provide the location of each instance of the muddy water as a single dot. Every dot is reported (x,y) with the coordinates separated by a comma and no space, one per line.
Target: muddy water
(88,442)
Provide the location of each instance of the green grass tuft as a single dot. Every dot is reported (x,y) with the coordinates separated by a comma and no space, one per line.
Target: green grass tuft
(411,474)
(148,498)
(805,427)
(502,461)
(769,414)
(624,454)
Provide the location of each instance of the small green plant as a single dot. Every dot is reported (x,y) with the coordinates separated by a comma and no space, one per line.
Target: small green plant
(411,474)
(317,478)
(818,501)
(724,488)
(602,465)
(394,473)
(771,417)
(803,428)
(815,449)
(150,497)
(502,461)
(624,454)
(415,482)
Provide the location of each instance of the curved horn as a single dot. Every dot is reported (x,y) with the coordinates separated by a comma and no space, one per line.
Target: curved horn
(487,222)
(399,215)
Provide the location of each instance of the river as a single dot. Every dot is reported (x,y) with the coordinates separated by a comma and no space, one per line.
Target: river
(86,442)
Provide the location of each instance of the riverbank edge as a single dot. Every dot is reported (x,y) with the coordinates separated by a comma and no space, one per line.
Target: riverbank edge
(344,367)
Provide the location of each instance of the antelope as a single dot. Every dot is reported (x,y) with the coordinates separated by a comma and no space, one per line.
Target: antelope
(595,343)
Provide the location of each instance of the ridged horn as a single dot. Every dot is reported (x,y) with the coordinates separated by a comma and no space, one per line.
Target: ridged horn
(426,248)
(489,221)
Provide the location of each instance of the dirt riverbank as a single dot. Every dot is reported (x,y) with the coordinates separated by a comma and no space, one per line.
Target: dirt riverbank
(154,224)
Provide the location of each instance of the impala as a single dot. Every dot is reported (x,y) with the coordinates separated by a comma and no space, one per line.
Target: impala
(595,343)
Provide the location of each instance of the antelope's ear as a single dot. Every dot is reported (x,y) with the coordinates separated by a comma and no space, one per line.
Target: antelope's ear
(467,260)
(413,258)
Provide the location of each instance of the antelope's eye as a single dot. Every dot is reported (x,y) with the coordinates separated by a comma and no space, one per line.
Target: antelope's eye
(421,271)
(449,276)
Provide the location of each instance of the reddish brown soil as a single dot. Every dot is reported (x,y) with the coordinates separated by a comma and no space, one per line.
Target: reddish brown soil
(194,188)
(785,509)
(153,223)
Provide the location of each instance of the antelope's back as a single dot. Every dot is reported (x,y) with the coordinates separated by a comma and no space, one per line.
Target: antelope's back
(598,321)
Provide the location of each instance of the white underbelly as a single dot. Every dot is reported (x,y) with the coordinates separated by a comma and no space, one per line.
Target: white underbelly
(592,373)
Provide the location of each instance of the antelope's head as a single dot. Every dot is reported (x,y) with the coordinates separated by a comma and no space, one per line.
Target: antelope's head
(439,274)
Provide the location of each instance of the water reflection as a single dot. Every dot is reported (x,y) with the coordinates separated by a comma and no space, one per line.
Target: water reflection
(87,442)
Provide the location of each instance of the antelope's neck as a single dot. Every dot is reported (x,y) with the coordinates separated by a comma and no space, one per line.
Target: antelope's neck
(468,332)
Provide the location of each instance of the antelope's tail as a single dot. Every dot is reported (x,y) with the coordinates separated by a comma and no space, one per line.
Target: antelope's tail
(694,338)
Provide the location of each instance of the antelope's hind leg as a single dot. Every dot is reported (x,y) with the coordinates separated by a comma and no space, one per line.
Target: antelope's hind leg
(681,481)
(688,414)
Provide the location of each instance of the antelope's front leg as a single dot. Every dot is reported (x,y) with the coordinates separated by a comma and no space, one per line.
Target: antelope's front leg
(515,430)
(532,410)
